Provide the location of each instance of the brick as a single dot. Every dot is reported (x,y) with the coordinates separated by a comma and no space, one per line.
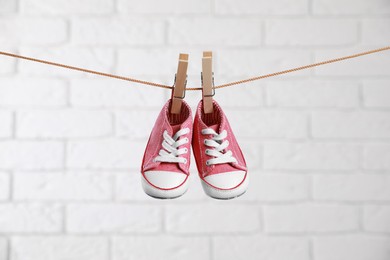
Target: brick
(262,7)
(27,218)
(7,6)
(258,62)
(375,31)
(158,61)
(59,247)
(163,247)
(7,65)
(365,66)
(211,31)
(352,187)
(109,93)
(252,94)
(357,247)
(312,93)
(260,248)
(196,219)
(54,186)
(32,31)
(113,218)
(377,157)
(310,156)
(5,188)
(6,122)
(128,187)
(376,218)
(350,7)
(275,187)
(310,218)
(360,124)
(268,124)
(30,155)
(168,7)
(132,123)
(91,58)
(253,153)
(311,32)
(105,154)
(376,93)
(66,7)
(118,31)
(37,92)
(3,249)
(63,123)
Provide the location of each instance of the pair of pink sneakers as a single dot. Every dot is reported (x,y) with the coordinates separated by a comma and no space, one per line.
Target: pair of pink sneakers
(220,162)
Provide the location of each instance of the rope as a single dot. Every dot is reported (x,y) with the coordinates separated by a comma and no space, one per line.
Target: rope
(219,86)
(85,70)
(304,67)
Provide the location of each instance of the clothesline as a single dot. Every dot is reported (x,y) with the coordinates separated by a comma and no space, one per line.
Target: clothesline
(219,86)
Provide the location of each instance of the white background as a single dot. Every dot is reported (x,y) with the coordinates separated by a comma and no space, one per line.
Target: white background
(316,141)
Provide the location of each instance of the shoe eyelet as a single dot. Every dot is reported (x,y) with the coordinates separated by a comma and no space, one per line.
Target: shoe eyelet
(204,141)
(187,140)
(207,163)
(185,150)
(185,161)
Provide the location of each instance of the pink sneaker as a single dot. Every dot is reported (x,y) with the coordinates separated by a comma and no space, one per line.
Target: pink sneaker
(166,162)
(221,164)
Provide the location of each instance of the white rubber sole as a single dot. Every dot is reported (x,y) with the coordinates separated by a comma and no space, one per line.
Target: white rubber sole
(163,194)
(225,194)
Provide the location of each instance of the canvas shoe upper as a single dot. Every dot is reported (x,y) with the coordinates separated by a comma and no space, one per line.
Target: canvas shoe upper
(219,159)
(166,162)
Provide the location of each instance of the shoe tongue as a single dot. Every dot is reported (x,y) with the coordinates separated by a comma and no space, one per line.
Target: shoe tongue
(175,129)
(215,127)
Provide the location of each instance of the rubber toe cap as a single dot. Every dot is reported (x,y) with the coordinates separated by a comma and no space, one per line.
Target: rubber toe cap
(165,179)
(226,180)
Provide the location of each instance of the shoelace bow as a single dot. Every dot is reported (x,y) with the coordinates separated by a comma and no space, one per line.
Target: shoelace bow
(171,145)
(218,145)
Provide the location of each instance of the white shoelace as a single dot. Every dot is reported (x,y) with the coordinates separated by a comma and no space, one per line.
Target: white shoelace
(218,145)
(171,146)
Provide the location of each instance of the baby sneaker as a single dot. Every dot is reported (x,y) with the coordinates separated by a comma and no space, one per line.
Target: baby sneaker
(165,166)
(220,162)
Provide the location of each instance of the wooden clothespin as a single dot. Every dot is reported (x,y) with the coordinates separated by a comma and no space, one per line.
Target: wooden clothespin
(179,87)
(208,90)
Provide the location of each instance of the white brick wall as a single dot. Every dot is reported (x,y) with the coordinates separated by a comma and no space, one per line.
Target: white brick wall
(261,247)
(56,186)
(376,217)
(32,31)
(59,247)
(30,217)
(311,218)
(160,247)
(28,92)
(317,142)
(31,155)
(358,247)
(311,32)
